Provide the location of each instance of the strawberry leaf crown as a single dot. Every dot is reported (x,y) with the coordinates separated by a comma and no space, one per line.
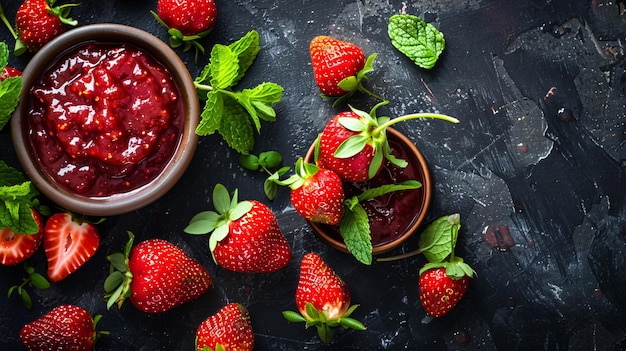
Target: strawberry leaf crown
(217,222)
(353,84)
(117,284)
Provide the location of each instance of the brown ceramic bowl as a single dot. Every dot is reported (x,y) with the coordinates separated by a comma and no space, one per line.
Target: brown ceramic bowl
(177,159)
(416,202)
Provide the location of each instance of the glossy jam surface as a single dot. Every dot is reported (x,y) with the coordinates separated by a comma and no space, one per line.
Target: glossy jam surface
(392,214)
(104,119)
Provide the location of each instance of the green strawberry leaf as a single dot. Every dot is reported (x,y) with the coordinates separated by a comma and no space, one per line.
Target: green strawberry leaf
(388,188)
(355,231)
(418,40)
(438,240)
(351,146)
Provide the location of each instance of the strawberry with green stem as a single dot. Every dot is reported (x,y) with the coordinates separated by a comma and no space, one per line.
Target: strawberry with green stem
(230,328)
(354,143)
(323,299)
(244,235)
(186,21)
(316,193)
(444,280)
(37,22)
(65,327)
(155,275)
(339,67)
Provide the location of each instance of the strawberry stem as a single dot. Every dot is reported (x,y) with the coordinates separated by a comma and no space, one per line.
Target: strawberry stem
(6,22)
(393,121)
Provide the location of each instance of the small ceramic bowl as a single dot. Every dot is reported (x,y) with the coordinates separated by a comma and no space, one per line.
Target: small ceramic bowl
(175,161)
(415,203)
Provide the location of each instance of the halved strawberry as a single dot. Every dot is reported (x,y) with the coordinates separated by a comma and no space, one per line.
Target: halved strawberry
(322,299)
(69,242)
(245,236)
(66,327)
(228,329)
(15,248)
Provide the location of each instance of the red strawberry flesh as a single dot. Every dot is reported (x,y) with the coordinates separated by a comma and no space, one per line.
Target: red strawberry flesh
(188,16)
(320,197)
(68,245)
(164,276)
(439,293)
(255,243)
(66,327)
(322,287)
(15,248)
(230,327)
(334,60)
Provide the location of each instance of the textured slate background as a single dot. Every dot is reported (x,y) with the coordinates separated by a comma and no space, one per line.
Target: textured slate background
(540,152)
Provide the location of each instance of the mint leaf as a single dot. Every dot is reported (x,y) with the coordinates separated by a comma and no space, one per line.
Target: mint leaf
(246,50)
(224,66)
(17,197)
(262,97)
(355,230)
(418,40)
(211,117)
(438,240)
(9,89)
(231,112)
(236,129)
(4,55)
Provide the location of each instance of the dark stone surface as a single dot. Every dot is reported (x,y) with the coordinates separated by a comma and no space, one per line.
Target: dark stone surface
(541,150)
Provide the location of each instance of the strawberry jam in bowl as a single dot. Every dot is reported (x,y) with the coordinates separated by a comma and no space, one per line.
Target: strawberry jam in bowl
(393,217)
(107,119)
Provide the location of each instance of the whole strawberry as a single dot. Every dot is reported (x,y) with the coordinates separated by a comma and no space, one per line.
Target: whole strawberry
(442,285)
(322,299)
(186,20)
(69,241)
(339,67)
(354,143)
(156,275)
(16,248)
(316,193)
(39,21)
(66,327)
(229,329)
(245,236)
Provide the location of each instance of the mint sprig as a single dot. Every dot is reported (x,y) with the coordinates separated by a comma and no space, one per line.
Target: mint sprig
(417,39)
(10,89)
(17,196)
(235,114)
(354,225)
